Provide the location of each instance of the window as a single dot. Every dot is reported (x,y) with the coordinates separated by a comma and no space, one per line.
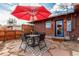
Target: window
(68,25)
(48,24)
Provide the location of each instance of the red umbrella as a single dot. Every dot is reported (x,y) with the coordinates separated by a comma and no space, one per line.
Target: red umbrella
(31,13)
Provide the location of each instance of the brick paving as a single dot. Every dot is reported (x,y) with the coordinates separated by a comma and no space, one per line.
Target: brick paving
(11,48)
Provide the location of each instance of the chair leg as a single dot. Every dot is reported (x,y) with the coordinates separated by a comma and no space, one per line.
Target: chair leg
(43,46)
(39,47)
(25,48)
(20,44)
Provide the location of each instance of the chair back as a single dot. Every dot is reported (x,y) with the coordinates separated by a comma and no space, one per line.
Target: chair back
(42,36)
(24,36)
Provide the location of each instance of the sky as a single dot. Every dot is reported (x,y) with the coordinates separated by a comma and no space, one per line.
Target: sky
(54,8)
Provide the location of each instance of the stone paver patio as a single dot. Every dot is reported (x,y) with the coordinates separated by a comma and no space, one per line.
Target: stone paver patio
(11,48)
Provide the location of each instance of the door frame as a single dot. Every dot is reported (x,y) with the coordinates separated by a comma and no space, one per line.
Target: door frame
(62,28)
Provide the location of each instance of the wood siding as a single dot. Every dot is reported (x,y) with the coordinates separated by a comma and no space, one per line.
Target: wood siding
(74,17)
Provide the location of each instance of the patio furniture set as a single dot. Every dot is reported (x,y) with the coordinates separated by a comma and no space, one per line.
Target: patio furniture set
(33,40)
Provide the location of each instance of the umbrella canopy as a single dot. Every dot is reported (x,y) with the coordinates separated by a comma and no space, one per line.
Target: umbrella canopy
(31,13)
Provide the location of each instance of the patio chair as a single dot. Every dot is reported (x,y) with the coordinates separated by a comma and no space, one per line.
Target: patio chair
(33,42)
(24,39)
(35,32)
(42,43)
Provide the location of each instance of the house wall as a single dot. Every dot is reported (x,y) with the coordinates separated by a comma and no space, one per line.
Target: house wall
(41,26)
(26,27)
(74,17)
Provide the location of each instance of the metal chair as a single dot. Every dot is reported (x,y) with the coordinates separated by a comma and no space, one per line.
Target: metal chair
(42,40)
(24,38)
(33,42)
